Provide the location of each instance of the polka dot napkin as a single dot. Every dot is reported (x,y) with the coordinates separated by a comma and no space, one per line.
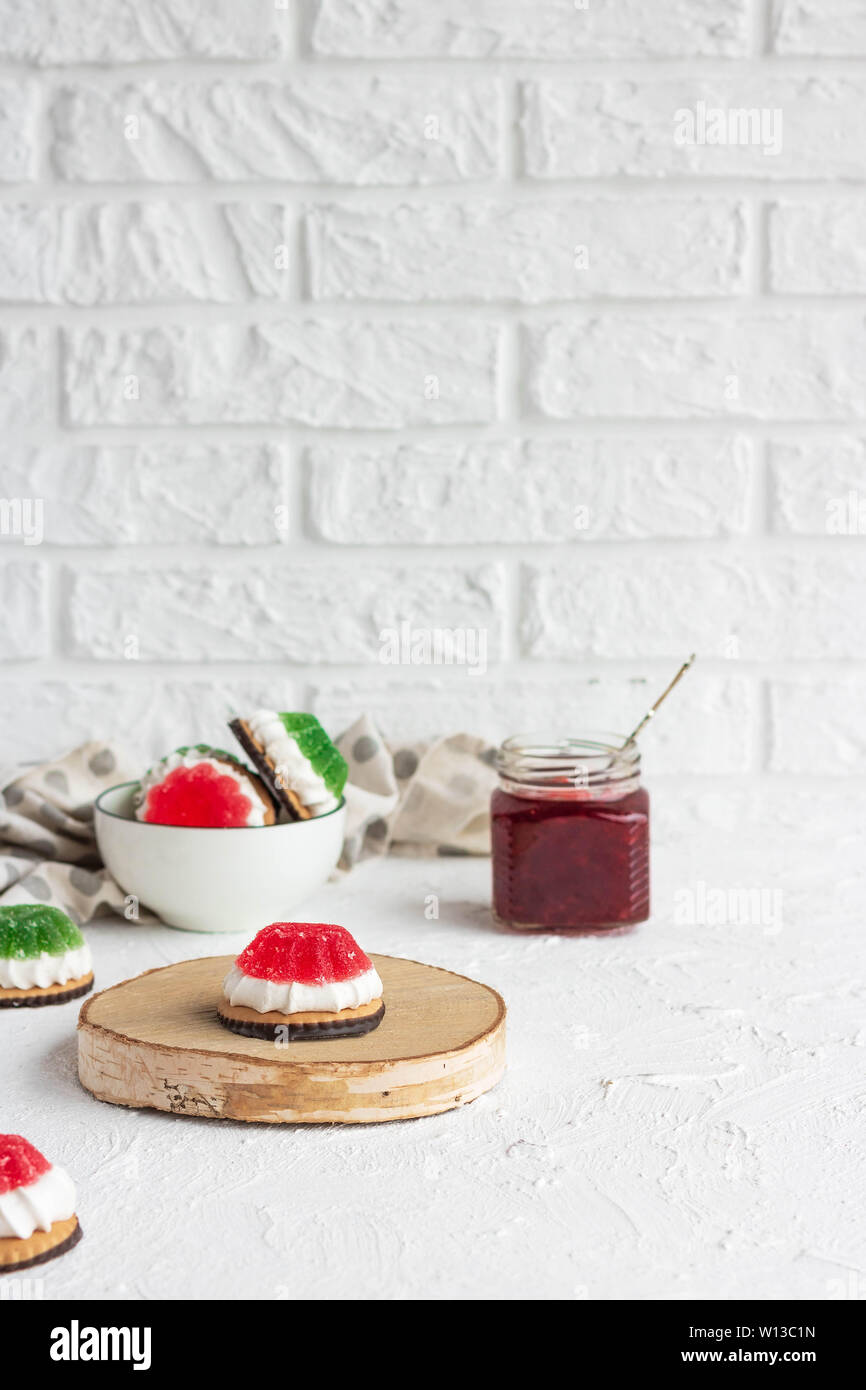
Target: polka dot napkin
(422,799)
(48,850)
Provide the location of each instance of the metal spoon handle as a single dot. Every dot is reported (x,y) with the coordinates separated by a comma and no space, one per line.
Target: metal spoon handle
(664,695)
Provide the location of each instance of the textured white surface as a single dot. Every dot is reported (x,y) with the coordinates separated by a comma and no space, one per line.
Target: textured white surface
(818,26)
(18,130)
(336,129)
(202,614)
(770,366)
(522,28)
(527,251)
(360,374)
(123,31)
(680,1115)
(24,382)
(157,494)
(772,607)
(818,248)
(627,127)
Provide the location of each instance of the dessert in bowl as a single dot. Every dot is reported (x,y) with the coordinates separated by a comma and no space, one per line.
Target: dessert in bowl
(204,787)
(209,845)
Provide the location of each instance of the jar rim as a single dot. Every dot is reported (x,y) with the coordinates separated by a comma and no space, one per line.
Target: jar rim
(596,760)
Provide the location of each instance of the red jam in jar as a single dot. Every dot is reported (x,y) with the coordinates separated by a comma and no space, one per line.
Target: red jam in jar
(570,834)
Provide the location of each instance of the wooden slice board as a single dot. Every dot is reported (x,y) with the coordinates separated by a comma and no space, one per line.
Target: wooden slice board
(155,1042)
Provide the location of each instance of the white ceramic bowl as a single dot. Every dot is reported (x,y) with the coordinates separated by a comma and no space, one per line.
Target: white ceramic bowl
(216,880)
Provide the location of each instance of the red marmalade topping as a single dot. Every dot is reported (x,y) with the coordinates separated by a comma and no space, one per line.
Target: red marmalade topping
(200,796)
(304,953)
(20,1163)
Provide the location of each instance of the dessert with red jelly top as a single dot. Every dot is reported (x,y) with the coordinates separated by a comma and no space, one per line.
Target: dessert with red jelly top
(570,835)
(310,976)
(37,1206)
(204,787)
(21,1164)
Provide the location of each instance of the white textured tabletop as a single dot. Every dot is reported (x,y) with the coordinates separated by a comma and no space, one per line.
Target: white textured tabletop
(679,1116)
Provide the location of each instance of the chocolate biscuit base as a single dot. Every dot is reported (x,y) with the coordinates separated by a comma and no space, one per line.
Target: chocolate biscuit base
(35,997)
(308,1027)
(24,1252)
(255,751)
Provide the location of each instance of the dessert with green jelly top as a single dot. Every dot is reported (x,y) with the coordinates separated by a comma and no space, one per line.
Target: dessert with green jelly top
(29,930)
(305,771)
(324,757)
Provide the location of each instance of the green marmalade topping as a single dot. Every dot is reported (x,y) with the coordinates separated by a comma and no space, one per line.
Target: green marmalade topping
(29,929)
(324,757)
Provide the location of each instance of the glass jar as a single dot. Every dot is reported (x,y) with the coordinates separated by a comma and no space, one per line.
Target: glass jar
(570,834)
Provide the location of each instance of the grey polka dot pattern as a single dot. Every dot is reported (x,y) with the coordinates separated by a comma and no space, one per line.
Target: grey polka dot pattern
(43,848)
(377,829)
(41,833)
(488,756)
(405,763)
(54,818)
(364,749)
(102,763)
(36,886)
(85,882)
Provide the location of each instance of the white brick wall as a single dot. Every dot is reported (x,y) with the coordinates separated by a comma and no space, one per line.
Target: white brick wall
(344,374)
(311,128)
(597,129)
(323,316)
(526,250)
